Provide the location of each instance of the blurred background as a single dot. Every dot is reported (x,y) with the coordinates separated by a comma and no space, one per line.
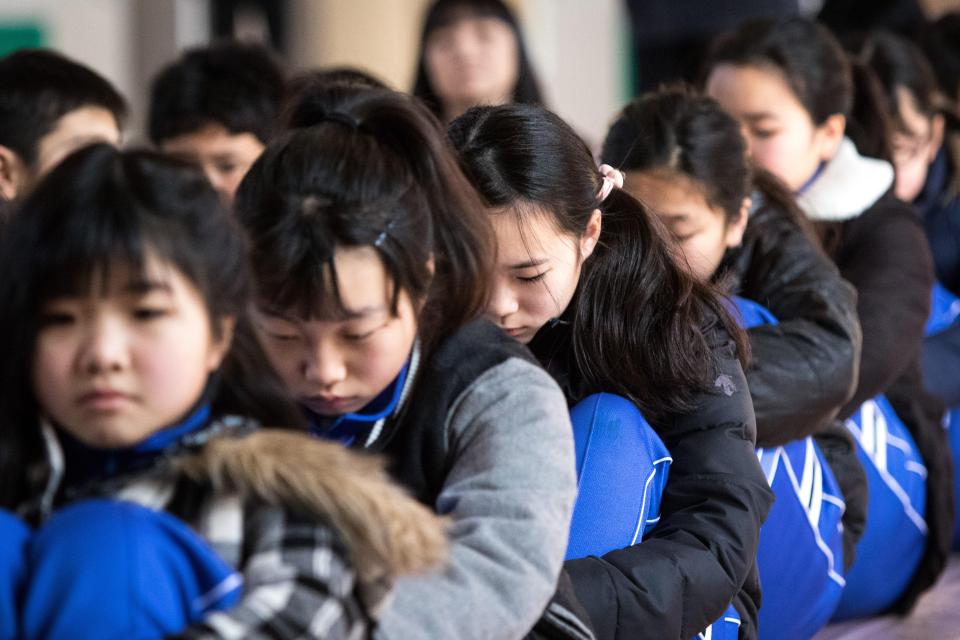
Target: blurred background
(591,55)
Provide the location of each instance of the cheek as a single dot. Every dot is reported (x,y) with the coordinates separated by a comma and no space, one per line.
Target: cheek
(547,299)
(910,179)
(375,363)
(769,153)
(502,62)
(52,360)
(440,67)
(285,358)
(174,370)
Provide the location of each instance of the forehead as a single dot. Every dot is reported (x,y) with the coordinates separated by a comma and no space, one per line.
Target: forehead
(122,277)
(76,129)
(669,193)
(213,139)
(753,90)
(528,233)
(363,283)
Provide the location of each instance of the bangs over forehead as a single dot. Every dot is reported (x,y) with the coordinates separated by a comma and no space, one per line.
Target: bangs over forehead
(447,13)
(103,210)
(90,249)
(298,279)
(325,187)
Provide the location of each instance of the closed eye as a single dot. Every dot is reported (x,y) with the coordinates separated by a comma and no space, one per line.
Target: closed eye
(536,278)
(149,313)
(57,318)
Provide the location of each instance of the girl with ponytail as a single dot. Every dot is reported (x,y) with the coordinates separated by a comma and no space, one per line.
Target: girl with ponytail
(791,86)
(587,277)
(372,258)
(686,159)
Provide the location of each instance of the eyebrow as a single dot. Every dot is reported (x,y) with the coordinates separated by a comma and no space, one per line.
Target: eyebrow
(344,314)
(761,115)
(143,287)
(672,218)
(528,264)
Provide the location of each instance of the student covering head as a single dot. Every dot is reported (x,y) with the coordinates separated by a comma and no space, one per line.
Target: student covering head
(131,375)
(372,257)
(790,85)
(587,277)
(686,159)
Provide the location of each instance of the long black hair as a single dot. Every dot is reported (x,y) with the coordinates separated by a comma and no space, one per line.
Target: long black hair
(443,13)
(103,209)
(678,130)
(818,71)
(638,318)
(366,166)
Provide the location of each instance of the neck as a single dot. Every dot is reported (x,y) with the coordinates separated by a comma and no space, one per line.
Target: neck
(85,463)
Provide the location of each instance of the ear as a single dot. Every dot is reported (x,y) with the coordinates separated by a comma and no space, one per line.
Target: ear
(221,346)
(591,235)
(936,137)
(830,134)
(13,173)
(733,236)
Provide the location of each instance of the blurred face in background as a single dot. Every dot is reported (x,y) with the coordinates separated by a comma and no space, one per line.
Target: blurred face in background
(915,145)
(472,61)
(225,157)
(74,130)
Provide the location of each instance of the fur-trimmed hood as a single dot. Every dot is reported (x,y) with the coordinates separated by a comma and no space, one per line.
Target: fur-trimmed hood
(387,533)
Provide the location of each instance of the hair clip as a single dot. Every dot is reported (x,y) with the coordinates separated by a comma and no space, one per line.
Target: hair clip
(383,234)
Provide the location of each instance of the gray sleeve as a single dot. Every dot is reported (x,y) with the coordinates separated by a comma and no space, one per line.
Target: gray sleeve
(510,495)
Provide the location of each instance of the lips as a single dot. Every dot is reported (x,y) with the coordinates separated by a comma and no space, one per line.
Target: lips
(515,332)
(327,405)
(104,400)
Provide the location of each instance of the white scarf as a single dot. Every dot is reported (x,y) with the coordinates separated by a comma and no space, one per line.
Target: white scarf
(849,185)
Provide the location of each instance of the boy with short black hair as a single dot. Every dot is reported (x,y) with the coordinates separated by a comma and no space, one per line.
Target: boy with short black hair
(49,107)
(217,106)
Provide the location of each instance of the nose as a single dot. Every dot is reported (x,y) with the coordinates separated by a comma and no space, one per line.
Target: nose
(104,348)
(325,366)
(503,302)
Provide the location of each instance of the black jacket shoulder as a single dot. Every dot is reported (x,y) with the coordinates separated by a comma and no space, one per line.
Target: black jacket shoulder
(804,368)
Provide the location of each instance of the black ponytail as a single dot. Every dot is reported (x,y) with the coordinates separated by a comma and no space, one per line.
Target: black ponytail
(638,317)
(366,166)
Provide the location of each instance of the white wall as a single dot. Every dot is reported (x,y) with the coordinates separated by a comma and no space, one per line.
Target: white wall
(97,33)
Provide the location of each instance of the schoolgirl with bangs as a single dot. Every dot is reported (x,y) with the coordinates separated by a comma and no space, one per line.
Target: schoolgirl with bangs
(372,258)
(139,496)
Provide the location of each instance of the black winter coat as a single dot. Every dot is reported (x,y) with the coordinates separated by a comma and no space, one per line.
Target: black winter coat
(883,252)
(803,369)
(701,555)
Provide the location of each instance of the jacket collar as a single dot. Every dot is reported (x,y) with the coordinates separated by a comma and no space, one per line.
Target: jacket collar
(364,427)
(848,185)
